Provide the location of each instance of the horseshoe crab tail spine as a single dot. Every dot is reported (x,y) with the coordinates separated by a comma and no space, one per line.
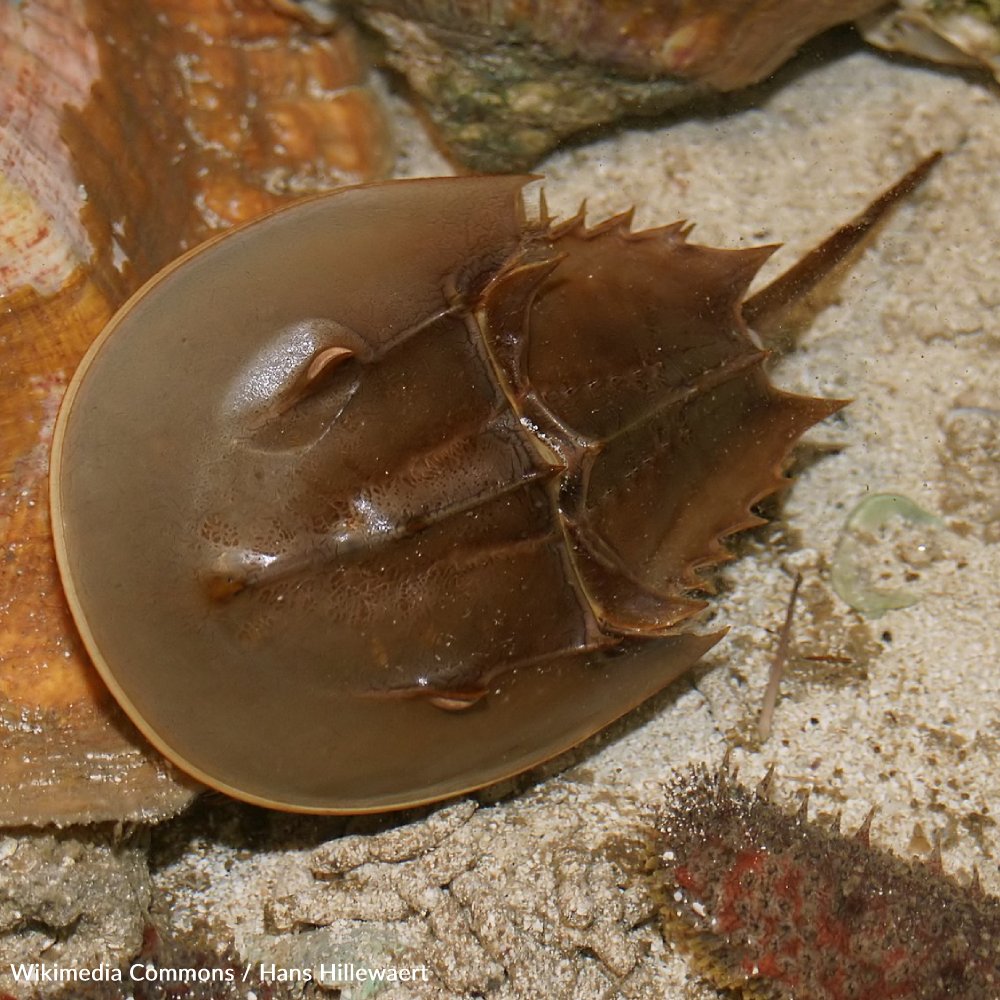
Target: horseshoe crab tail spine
(802,277)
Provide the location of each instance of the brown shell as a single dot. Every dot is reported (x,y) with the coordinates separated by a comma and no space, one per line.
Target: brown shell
(98,189)
(505,81)
(725,43)
(396,451)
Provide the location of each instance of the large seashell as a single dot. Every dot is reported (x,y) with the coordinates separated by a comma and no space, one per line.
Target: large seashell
(505,81)
(117,151)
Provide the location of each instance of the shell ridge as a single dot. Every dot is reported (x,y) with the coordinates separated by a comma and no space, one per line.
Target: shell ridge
(704,382)
(351,543)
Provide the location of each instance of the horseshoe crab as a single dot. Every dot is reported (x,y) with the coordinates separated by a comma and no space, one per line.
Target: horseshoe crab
(397,492)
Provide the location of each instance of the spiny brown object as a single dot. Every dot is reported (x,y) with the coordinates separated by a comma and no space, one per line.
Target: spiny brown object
(780,908)
(505,81)
(117,152)
(395,493)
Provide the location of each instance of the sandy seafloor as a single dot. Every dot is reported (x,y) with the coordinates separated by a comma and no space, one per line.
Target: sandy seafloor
(529,896)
